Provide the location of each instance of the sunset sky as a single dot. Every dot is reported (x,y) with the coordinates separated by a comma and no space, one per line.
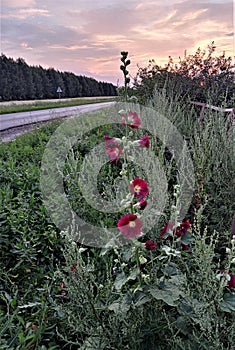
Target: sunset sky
(86,36)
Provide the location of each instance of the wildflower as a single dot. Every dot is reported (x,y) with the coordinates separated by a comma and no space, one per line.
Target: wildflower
(184,246)
(130,226)
(132,119)
(142,204)
(183,228)
(113,148)
(150,245)
(139,188)
(167,229)
(144,142)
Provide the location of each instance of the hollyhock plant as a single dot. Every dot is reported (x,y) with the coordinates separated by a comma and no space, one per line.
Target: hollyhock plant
(130,226)
(139,188)
(132,119)
(150,245)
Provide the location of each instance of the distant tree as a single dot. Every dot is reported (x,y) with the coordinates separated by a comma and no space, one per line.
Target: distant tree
(22,82)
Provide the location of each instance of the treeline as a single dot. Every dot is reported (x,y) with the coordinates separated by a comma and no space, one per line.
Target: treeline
(19,81)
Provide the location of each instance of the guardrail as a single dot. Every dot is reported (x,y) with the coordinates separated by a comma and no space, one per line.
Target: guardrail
(231,111)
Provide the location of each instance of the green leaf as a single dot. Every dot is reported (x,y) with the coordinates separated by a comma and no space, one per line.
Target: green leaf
(187,239)
(168,291)
(122,279)
(171,269)
(228,303)
(122,305)
(140,299)
(93,342)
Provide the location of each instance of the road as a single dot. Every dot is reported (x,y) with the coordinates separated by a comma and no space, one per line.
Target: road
(14,120)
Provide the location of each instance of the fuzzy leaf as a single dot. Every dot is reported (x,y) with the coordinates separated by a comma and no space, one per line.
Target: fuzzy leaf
(168,290)
(187,239)
(122,279)
(228,303)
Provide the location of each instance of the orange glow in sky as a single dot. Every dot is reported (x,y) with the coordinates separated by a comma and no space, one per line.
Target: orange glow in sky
(86,37)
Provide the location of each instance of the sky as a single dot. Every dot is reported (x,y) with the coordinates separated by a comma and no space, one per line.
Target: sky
(86,36)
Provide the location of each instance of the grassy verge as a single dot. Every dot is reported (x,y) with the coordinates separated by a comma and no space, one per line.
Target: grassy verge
(38,105)
(55,294)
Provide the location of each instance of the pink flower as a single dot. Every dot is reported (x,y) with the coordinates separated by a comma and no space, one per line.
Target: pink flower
(132,119)
(113,148)
(130,226)
(139,188)
(168,228)
(142,204)
(150,245)
(144,142)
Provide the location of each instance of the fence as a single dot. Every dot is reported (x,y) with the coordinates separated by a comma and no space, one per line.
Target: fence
(231,111)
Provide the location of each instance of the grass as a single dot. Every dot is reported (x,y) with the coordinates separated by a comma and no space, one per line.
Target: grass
(38,105)
(57,294)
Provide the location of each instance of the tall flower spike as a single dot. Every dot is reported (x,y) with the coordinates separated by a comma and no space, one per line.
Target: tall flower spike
(130,226)
(132,119)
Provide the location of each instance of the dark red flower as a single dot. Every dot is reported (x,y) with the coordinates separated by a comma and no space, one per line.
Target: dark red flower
(184,246)
(168,228)
(231,282)
(183,228)
(113,148)
(130,226)
(144,142)
(139,188)
(132,119)
(142,204)
(150,245)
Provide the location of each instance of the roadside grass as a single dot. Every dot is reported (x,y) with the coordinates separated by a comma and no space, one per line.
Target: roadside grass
(57,294)
(38,105)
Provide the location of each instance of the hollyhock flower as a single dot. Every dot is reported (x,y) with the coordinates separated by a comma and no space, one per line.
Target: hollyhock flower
(130,226)
(184,246)
(139,188)
(113,148)
(231,282)
(132,119)
(111,142)
(183,228)
(150,245)
(142,204)
(168,228)
(144,142)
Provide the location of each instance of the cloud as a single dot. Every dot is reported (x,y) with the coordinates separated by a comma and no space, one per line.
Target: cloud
(26,13)
(88,38)
(17,3)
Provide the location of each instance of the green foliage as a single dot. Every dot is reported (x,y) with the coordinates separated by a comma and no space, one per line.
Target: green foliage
(200,77)
(58,294)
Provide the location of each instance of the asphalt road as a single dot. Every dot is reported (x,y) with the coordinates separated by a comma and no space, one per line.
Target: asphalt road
(14,120)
